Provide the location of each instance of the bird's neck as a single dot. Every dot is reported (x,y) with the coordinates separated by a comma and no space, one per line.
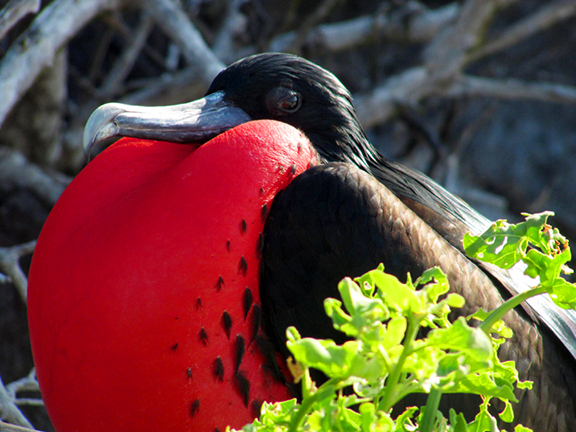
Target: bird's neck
(344,142)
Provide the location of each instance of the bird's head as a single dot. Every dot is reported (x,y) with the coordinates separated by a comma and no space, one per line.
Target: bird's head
(273,86)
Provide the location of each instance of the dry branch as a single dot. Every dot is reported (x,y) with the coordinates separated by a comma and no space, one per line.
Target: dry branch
(450,52)
(29,384)
(36,47)
(424,26)
(7,427)
(511,89)
(18,172)
(379,105)
(10,412)
(319,14)
(234,23)
(10,265)
(14,11)
(446,55)
(170,17)
(167,89)
(125,62)
(348,34)
(542,20)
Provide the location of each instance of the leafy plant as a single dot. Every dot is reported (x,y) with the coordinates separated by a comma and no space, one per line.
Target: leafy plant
(542,249)
(384,360)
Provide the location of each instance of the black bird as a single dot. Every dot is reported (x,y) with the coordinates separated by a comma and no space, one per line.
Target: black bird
(353,211)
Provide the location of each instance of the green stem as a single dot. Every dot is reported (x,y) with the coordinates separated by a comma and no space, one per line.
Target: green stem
(306,384)
(326,390)
(389,396)
(430,410)
(509,304)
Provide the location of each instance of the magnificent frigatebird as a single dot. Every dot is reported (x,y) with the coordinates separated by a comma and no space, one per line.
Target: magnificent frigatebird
(353,211)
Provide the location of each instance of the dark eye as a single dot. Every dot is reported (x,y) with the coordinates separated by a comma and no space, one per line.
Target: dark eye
(283,101)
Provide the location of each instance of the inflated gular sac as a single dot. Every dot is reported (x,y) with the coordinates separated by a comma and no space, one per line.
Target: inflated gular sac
(144,306)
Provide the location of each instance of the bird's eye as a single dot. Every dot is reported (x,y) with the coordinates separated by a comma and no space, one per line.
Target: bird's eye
(283,101)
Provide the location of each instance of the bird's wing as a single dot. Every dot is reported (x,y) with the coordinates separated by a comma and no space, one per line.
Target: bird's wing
(451,218)
(414,186)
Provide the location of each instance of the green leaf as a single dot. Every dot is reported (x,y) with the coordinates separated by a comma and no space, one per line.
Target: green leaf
(435,283)
(364,311)
(463,338)
(366,281)
(324,355)
(563,294)
(276,414)
(455,300)
(357,303)
(507,414)
(484,421)
(404,421)
(458,421)
(546,267)
(502,244)
(396,330)
(499,327)
(341,320)
(395,294)
(542,235)
(373,420)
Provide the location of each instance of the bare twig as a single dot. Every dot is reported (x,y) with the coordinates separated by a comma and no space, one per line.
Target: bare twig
(28,383)
(169,88)
(126,61)
(234,23)
(346,35)
(115,78)
(7,427)
(445,58)
(412,85)
(172,57)
(35,124)
(175,23)
(334,37)
(14,11)
(545,18)
(406,88)
(36,47)
(10,265)
(319,14)
(512,89)
(446,55)
(425,26)
(9,411)
(15,170)
(103,44)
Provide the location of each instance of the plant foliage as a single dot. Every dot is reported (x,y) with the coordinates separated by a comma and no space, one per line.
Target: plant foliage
(385,360)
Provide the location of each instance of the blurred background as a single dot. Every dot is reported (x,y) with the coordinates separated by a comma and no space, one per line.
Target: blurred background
(478,94)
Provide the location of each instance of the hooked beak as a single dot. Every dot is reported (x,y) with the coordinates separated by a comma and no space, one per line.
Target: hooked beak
(192,122)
